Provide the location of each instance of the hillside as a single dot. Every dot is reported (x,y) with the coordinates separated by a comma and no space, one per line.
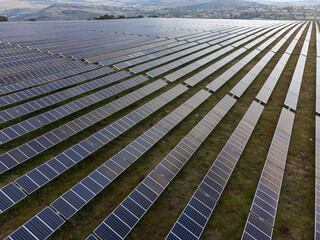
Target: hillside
(60,12)
(217,9)
(225,4)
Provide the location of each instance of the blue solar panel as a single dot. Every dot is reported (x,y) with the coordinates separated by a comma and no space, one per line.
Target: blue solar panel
(63,207)
(50,218)
(106,233)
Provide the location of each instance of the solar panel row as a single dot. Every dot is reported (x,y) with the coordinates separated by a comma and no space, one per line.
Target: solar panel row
(216,66)
(14,52)
(294,88)
(195,79)
(22,57)
(74,199)
(195,216)
(34,147)
(132,152)
(96,45)
(119,53)
(193,220)
(181,72)
(49,100)
(265,201)
(193,66)
(149,57)
(10,195)
(39,72)
(121,221)
(111,169)
(172,65)
(171,57)
(155,50)
(33,66)
(91,42)
(212,33)
(39,227)
(203,38)
(6,89)
(55,114)
(123,49)
(203,33)
(53,86)
(237,37)
(232,71)
(245,82)
(265,92)
(19,62)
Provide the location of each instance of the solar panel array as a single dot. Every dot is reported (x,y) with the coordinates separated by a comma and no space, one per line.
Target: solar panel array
(41,80)
(17,130)
(106,173)
(83,149)
(254,72)
(216,66)
(195,216)
(86,83)
(265,202)
(119,223)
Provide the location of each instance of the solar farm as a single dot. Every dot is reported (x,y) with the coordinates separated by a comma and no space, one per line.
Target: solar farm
(160,129)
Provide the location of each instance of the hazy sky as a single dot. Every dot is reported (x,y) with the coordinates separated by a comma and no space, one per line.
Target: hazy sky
(281,0)
(278,0)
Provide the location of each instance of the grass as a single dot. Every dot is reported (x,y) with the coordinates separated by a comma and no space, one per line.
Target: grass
(296,209)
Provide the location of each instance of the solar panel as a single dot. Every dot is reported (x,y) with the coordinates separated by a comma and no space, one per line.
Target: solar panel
(154,184)
(47,77)
(217,177)
(69,203)
(33,148)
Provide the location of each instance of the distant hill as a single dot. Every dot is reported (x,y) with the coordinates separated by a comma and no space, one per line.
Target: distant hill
(126,3)
(225,4)
(58,12)
(218,9)
(167,3)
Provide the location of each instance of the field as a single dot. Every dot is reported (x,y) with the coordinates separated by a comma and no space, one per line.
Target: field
(159,103)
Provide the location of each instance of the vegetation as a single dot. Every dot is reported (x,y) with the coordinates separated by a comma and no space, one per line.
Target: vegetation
(225,9)
(3,19)
(108,17)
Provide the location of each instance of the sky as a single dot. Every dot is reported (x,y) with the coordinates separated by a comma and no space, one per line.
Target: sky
(277,0)
(281,0)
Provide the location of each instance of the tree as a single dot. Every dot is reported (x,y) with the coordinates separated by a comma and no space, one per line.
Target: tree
(3,19)
(105,17)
